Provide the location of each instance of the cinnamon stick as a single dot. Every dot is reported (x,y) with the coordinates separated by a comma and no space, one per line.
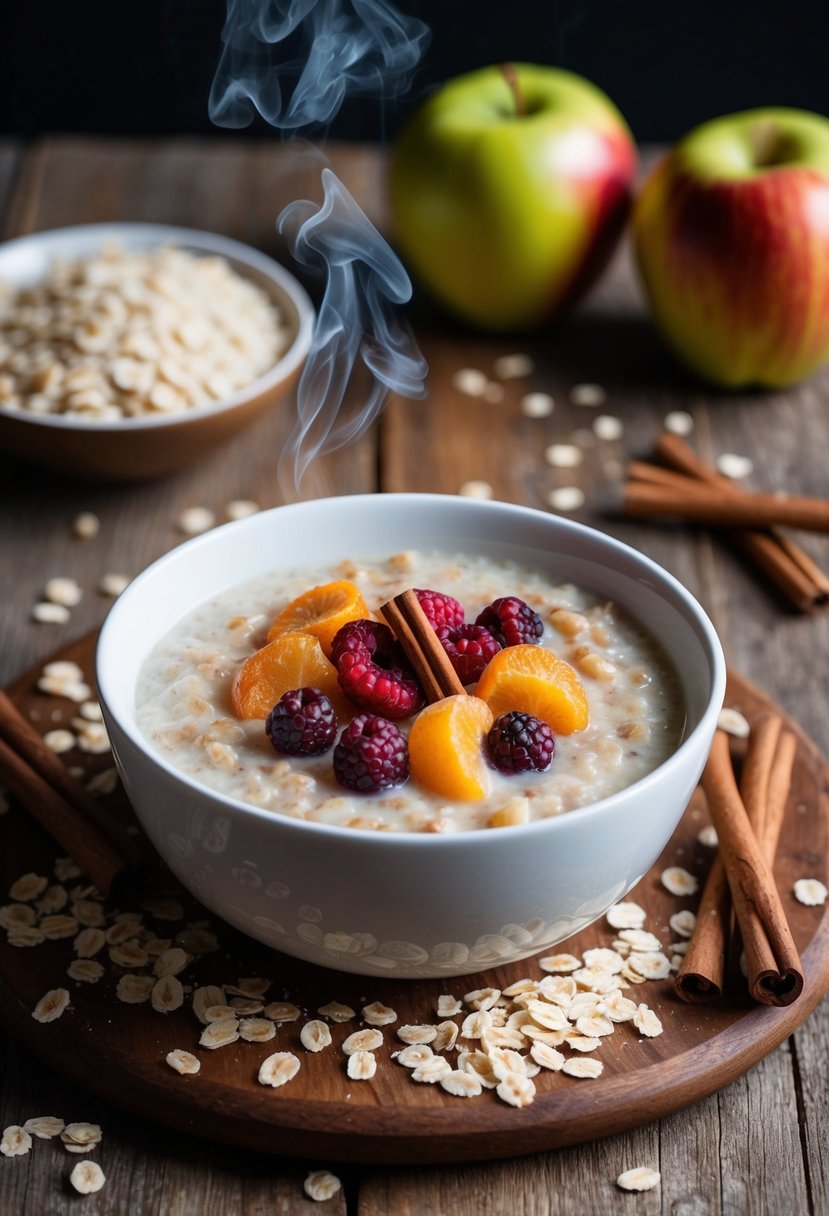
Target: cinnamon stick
(421,645)
(709,505)
(701,975)
(36,777)
(788,566)
(775,973)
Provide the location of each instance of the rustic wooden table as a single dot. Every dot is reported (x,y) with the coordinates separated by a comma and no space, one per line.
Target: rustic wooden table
(758,1146)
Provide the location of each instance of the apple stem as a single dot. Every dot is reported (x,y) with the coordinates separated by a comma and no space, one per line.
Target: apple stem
(511,77)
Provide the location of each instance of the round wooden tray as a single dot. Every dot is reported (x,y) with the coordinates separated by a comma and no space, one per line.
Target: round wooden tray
(119,1050)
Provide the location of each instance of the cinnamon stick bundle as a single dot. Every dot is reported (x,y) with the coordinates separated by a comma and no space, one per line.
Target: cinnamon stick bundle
(775,973)
(785,563)
(710,506)
(116,862)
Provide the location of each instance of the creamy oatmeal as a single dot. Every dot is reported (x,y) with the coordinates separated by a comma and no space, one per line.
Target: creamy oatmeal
(636,715)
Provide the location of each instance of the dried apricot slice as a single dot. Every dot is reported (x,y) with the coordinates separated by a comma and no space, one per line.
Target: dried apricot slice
(535,681)
(446,748)
(292,661)
(321,611)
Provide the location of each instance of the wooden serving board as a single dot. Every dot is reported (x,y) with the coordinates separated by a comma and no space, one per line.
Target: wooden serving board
(119,1050)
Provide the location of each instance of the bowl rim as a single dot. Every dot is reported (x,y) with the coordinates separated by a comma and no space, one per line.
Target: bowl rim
(203,241)
(384,840)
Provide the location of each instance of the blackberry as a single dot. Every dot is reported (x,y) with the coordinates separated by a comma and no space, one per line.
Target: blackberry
(371,755)
(302,723)
(513,622)
(520,743)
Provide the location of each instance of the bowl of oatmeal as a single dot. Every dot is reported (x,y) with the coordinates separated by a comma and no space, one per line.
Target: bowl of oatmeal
(129,351)
(462,858)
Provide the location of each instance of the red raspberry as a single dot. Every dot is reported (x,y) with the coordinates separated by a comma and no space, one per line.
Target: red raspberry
(372,670)
(513,622)
(441,611)
(371,755)
(520,743)
(302,723)
(469,648)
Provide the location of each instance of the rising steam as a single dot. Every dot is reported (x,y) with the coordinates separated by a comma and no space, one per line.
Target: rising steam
(344,46)
(356,320)
(329,48)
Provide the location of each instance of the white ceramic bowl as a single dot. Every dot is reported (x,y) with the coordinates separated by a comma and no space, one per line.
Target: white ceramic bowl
(405,904)
(154,444)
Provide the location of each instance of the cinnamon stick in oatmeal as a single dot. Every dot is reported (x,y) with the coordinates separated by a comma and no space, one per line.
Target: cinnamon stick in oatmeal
(421,645)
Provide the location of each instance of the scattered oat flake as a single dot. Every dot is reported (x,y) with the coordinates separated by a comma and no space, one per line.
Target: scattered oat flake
(85,971)
(646,1022)
(167,994)
(45,1127)
(638,1179)
(15,1142)
(28,887)
(653,966)
(679,881)
(278,1069)
(588,394)
(59,741)
(362,1065)
(64,591)
(194,520)
(566,498)
(183,1061)
(810,891)
(618,1008)
(516,1090)
(50,614)
(256,1030)
(282,1011)
(321,1185)
(733,723)
(87,1177)
(482,998)
(734,466)
(81,1137)
(86,525)
(559,962)
(315,1035)
(135,989)
(460,1084)
(547,1057)
(470,381)
(414,1055)
(563,455)
(446,1037)
(626,916)
(537,405)
(367,1040)
(337,1012)
(415,1034)
(708,836)
(220,1033)
(378,1014)
(112,584)
(583,1068)
(241,508)
(607,427)
(476,489)
(513,367)
(51,1006)
(678,422)
(683,922)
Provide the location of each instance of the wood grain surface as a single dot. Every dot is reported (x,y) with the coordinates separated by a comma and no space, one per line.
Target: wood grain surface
(758,1146)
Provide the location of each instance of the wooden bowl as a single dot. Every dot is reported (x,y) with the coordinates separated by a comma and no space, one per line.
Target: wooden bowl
(131,449)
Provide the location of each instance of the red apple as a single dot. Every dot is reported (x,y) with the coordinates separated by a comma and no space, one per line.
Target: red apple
(732,238)
(509,189)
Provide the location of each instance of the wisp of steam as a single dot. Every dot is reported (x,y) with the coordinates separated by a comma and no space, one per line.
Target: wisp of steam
(344,46)
(330,48)
(357,319)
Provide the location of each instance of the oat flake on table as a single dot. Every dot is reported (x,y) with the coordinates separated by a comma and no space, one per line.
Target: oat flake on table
(810,891)
(640,1178)
(87,1177)
(678,881)
(15,1141)
(321,1185)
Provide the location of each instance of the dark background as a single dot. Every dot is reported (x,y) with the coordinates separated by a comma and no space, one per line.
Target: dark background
(145,66)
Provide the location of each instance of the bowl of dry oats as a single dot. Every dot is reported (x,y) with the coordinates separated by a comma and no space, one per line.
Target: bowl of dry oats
(129,351)
(304,782)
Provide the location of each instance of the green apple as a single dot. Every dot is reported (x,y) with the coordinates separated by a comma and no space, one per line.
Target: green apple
(509,189)
(732,239)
